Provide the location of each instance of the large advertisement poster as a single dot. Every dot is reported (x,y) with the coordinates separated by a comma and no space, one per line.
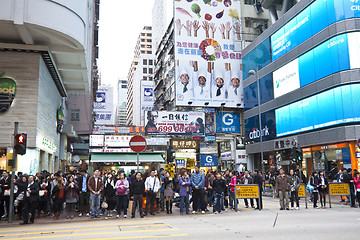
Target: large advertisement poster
(103,106)
(175,123)
(207,67)
(147,95)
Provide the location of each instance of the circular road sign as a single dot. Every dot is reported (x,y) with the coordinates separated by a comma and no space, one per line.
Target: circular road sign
(358,143)
(137,143)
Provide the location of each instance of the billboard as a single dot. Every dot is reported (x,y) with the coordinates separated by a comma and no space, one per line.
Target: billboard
(209,161)
(147,95)
(175,123)
(104,105)
(207,68)
(117,141)
(286,79)
(227,122)
(96,141)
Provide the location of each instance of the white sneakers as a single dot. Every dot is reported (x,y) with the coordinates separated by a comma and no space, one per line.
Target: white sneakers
(125,216)
(202,212)
(193,212)
(117,216)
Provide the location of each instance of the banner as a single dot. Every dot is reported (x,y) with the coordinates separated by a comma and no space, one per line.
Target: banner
(104,106)
(207,67)
(147,95)
(227,122)
(175,123)
(209,161)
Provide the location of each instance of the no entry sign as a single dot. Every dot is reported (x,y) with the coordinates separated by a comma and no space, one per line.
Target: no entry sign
(137,143)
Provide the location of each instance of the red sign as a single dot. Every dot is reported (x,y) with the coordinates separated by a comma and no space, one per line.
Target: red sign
(358,143)
(137,143)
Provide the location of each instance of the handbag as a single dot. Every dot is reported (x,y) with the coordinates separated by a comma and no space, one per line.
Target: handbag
(104,205)
(121,191)
(7,192)
(131,205)
(42,192)
(310,187)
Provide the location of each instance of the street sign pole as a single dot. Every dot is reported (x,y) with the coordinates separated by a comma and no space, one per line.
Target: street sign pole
(137,162)
(12,185)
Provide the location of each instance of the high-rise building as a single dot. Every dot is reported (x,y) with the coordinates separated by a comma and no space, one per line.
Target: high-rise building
(302,88)
(162,14)
(141,69)
(49,49)
(121,103)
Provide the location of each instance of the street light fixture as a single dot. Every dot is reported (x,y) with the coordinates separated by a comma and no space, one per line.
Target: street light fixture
(255,72)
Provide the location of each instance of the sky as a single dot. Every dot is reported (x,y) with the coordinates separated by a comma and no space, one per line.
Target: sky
(119,27)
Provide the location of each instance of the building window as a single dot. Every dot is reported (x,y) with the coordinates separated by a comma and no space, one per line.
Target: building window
(150,70)
(149,52)
(144,61)
(144,70)
(142,46)
(150,78)
(151,62)
(75,115)
(149,34)
(249,2)
(143,52)
(142,34)
(145,78)
(148,40)
(142,40)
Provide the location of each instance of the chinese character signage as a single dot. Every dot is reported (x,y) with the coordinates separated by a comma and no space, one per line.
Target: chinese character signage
(112,129)
(96,141)
(209,161)
(207,66)
(103,106)
(227,122)
(117,141)
(184,144)
(180,163)
(175,123)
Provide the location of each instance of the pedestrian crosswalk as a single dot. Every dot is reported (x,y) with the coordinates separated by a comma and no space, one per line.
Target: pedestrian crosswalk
(116,229)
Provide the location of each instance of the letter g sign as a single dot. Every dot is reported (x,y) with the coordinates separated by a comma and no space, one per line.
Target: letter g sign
(209,159)
(228,119)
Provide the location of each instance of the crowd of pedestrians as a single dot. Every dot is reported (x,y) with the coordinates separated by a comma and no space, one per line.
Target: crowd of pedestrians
(104,194)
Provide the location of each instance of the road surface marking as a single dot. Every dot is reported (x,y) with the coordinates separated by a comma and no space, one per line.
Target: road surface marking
(135,237)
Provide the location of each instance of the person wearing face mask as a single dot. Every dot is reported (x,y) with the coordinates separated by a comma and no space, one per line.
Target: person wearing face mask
(31,199)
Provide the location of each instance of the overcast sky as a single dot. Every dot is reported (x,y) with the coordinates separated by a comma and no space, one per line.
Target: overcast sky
(120,24)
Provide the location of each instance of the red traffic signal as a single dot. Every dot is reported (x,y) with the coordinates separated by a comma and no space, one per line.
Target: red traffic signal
(20,143)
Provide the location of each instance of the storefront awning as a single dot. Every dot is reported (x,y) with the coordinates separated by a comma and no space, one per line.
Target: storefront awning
(126,157)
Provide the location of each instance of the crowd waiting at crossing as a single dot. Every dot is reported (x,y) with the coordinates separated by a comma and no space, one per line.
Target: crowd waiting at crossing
(113,194)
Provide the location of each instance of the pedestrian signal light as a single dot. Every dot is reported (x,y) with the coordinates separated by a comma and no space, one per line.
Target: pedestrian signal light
(20,143)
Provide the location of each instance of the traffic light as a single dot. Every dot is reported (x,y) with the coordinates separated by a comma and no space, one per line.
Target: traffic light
(20,143)
(293,153)
(299,155)
(170,154)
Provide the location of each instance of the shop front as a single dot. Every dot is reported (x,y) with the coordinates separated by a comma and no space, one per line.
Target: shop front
(125,161)
(330,158)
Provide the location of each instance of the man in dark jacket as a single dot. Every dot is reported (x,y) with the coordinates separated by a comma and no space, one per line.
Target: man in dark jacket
(31,199)
(258,180)
(5,184)
(219,187)
(347,178)
(137,190)
(84,192)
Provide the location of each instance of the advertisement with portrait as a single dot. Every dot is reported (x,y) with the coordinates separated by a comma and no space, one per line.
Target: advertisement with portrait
(175,123)
(208,70)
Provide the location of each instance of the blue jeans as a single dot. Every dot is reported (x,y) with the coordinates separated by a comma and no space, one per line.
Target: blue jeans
(218,201)
(122,203)
(187,204)
(95,204)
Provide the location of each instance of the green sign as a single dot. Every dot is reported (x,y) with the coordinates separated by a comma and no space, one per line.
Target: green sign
(60,120)
(7,92)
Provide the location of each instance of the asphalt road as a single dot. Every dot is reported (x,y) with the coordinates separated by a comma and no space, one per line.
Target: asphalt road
(339,222)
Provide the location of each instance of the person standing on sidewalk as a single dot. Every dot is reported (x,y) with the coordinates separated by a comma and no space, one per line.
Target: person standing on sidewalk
(152,186)
(31,198)
(294,196)
(84,195)
(283,183)
(137,190)
(122,201)
(184,191)
(95,186)
(219,187)
(197,183)
(232,184)
(357,185)
(258,180)
(72,196)
(247,179)
(168,191)
(323,188)
(315,182)
(58,197)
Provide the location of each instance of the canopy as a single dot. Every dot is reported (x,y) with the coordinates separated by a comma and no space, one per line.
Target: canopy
(126,157)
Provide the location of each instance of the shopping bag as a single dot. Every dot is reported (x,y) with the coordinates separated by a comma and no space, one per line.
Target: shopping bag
(131,205)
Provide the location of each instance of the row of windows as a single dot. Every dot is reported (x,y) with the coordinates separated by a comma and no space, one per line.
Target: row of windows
(147,78)
(145,62)
(145,70)
(146,52)
(146,34)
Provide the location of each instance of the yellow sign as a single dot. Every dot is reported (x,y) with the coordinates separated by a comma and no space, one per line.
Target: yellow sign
(301,192)
(247,191)
(9,168)
(170,169)
(190,163)
(339,189)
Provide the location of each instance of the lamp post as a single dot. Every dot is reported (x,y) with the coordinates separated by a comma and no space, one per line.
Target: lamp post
(255,72)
